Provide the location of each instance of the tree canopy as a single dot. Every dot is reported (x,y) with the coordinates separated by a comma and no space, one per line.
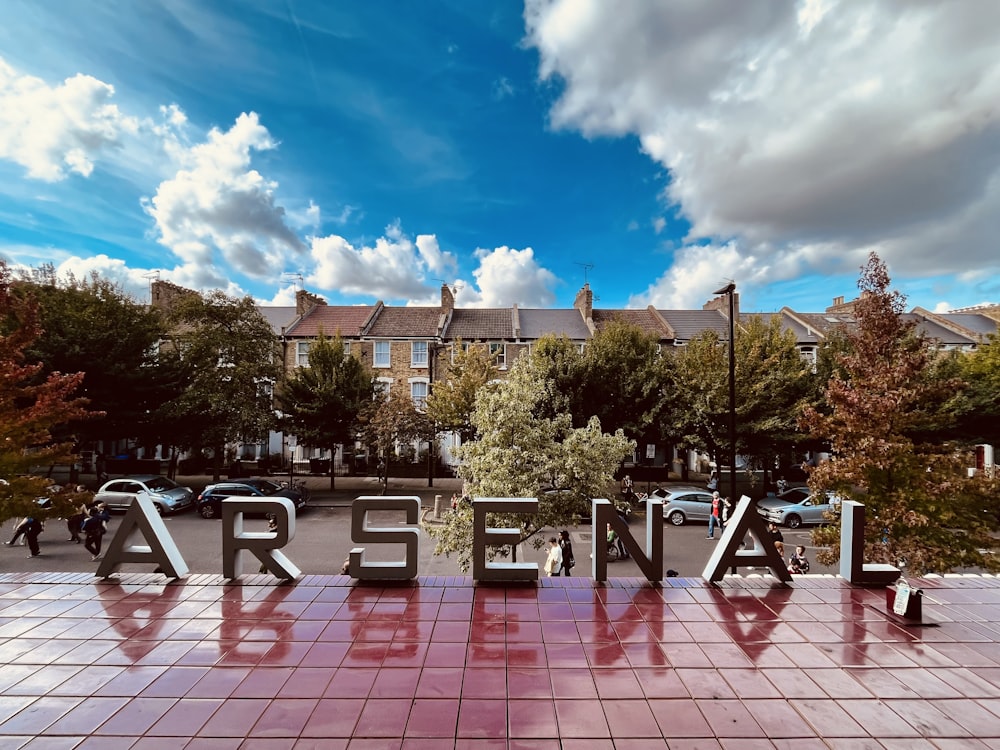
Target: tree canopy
(32,406)
(322,404)
(520,451)
(923,510)
(453,397)
(93,327)
(230,360)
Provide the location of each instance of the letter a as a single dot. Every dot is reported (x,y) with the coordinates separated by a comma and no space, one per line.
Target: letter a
(728,554)
(160,548)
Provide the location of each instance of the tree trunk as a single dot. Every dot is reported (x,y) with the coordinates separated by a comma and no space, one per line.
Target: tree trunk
(217,463)
(333,461)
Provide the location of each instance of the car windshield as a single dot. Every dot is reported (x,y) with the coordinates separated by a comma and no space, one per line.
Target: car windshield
(160,484)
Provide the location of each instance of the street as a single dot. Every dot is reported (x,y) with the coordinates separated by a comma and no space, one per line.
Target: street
(322,541)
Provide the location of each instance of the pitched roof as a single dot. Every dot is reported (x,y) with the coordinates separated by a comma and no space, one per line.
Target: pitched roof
(278,317)
(347,320)
(403,322)
(689,323)
(536,323)
(644,319)
(480,323)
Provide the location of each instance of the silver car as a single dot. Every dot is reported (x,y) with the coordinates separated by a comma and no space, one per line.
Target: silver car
(166,494)
(797,507)
(683,504)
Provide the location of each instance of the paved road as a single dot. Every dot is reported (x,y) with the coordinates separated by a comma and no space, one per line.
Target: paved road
(322,541)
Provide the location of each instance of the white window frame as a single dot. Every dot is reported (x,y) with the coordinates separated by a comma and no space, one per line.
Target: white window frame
(380,362)
(418,354)
(420,402)
(302,353)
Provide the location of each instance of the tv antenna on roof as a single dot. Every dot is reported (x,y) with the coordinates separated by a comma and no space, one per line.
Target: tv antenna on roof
(586,267)
(298,276)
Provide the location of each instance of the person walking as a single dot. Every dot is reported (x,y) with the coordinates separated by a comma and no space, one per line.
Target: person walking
(32,528)
(567,552)
(74,523)
(715,519)
(93,529)
(553,563)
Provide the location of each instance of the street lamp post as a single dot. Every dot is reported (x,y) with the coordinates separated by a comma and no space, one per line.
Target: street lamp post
(730,290)
(291,461)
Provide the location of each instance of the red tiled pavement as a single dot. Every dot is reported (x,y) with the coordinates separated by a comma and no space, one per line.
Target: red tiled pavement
(749,664)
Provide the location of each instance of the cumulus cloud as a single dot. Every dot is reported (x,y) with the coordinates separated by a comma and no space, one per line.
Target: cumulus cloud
(505,277)
(52,131)
(394,267)
(796,132)
(217,203)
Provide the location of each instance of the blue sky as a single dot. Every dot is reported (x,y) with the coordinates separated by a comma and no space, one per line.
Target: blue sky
(375,150)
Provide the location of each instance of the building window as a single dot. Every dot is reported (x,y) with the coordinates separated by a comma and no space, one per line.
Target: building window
(418,391)
(418,354)
(347,348)
(498,353)
(302,353)
(456,347)
(382,386)
(381,354)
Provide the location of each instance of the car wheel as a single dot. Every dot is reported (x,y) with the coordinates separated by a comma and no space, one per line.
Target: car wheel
(159,509)
(207,510)
(676,518)
(793,522)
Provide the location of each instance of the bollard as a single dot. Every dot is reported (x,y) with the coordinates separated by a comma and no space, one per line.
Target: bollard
(437,506)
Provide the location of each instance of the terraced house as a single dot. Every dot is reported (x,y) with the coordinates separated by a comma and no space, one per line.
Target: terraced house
(411,347)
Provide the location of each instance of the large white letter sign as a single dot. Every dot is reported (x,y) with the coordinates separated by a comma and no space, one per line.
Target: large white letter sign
(263,544)
(650,561)
(362,532)
(499,537)
(727,553)
(852,550)
(160,548)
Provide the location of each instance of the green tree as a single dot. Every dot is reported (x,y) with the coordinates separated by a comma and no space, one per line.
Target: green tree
(92,326)
(977,406)
(230,359)
(32,407)
(772,389)
(700,392)
(392,420)
(624,378)
(453,397)
(322,404)
(922,508)
(521,453)
(558,365)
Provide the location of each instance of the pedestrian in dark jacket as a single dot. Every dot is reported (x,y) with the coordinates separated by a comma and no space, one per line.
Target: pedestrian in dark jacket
(567,552)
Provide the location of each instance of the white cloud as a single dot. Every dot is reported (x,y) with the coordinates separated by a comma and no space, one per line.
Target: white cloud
(54,130)
(216,203)
(806,130)
(395,267)
(506,276)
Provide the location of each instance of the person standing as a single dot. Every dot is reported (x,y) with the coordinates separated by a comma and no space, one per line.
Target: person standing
(553,563)
(776,537)
(567,552)
(715,519)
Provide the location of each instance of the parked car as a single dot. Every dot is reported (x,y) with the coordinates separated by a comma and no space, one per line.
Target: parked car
(683,504)
(166,494)
(797,507)
(209,502)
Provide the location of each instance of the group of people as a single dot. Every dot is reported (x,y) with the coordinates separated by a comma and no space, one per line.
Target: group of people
(87,526)
(560,560)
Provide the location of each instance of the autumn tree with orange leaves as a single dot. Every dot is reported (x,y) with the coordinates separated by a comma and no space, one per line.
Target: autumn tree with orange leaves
(883,406)
(31,406)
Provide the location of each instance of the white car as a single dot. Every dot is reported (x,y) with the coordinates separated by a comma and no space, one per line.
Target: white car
(166,494)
